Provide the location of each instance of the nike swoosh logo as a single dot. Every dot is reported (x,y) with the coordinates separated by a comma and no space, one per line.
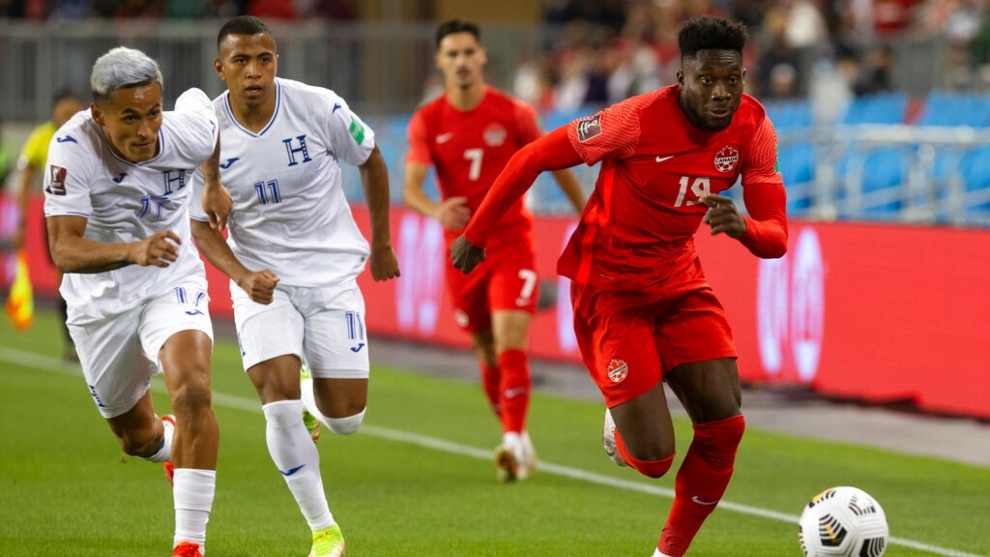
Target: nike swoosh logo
(229,162)
(335,107)
(357,348)
(444,137)
(705,503)
(194,312)
(512,393)
(292,471)
(65,139)
(120,178)
(661,159)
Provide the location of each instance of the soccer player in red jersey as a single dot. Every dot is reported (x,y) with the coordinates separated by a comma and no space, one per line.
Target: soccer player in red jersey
(643,311)
(468,134)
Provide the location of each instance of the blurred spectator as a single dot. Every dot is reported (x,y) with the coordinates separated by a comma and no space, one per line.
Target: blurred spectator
(875,72)
(604,13)
(12,9)
(141,9)
(271,9)
(224,9)
(780,63)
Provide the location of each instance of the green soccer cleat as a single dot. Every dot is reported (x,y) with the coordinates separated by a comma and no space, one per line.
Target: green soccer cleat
(328,543)
(312,424)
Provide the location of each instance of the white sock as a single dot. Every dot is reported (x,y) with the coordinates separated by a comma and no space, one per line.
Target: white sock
(192,492)
(341,426)
(658,554)
(513,441)
(296,457)
(164,453)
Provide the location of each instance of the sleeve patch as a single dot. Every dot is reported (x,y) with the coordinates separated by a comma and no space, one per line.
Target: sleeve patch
(58,175)
(586,129)
(357,131)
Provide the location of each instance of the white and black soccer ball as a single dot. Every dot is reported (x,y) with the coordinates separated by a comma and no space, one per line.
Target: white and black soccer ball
(843,522)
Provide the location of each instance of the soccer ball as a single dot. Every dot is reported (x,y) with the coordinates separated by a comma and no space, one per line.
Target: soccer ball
(843,522)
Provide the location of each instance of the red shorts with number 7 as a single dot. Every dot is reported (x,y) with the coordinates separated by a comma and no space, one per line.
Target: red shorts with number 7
(505,280)
(628,340)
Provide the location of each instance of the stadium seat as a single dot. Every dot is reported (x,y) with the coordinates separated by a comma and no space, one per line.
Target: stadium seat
(974,167)
(882,108)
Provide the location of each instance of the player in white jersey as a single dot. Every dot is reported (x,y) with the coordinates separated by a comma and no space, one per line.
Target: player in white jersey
(294,253)
(117,191)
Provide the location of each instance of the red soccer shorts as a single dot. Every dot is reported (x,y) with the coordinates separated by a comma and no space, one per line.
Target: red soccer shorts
(628,340)
(505,280)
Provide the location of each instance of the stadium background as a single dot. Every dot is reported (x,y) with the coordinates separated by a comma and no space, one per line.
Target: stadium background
(881,112)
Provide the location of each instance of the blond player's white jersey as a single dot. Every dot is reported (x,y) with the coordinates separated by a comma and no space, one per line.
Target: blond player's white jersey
(127,202)
(290,214)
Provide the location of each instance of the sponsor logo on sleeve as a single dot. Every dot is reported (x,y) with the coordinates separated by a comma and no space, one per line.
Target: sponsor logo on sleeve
(58,175)
(357,130)
(586,129)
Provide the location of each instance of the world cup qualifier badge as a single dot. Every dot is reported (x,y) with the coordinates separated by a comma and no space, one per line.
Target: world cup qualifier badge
(586,129)
(57,185)
(617,370)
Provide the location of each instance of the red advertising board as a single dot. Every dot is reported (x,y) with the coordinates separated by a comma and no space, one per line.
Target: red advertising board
(867,311)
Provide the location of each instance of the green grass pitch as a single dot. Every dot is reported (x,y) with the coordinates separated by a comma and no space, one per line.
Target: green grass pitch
(418,480)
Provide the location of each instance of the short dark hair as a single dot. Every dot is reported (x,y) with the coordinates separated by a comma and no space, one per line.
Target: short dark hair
(452,26)
(710,33)
(64,94)
(243,25)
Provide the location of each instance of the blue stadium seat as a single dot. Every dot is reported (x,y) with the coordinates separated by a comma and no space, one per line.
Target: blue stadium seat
(882,108)
(974,167)
(884,170)
(955,109)
(790,115)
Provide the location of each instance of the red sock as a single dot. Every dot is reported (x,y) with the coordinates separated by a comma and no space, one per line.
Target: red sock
(490,379)
(701,481)
(515,386)
(648,468)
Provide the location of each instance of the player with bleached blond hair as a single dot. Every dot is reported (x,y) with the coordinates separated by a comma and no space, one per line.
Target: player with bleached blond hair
(117,191)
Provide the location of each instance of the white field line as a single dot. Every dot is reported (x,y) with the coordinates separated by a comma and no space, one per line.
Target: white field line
(49,363)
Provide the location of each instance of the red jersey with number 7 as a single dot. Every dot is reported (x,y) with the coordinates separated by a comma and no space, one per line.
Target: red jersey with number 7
(639,224)
(468,150)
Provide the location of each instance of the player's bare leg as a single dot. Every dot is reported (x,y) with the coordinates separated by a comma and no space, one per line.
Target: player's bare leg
(185,359)
(510,335)
(292,450)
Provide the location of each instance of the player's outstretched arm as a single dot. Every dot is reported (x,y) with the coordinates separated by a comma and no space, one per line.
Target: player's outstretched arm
(374,179)
(72,253)
(553,151)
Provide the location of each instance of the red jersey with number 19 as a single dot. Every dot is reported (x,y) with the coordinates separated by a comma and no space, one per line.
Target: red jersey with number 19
(640,221)
(469,149)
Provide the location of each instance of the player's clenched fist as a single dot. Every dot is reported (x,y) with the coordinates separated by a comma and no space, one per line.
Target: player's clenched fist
(465,255)
(259,286)
(723,216)
(384,264)
(453,213)
(159,249)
